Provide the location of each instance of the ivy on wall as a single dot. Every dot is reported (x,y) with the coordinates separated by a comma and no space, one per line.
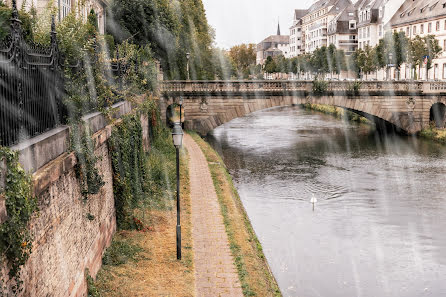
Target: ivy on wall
(129,168)
(15,237)
(82,144)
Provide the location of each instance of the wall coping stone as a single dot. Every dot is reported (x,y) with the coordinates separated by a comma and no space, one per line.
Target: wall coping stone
(34,153)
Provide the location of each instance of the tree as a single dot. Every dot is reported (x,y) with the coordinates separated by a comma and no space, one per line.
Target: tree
(270,65)
(319,61)
(357,62)
(369,60)
(172,29)
(416,53)
(243,57)
(433,50)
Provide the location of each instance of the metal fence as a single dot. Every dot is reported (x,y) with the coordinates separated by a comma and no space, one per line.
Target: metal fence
(32,85)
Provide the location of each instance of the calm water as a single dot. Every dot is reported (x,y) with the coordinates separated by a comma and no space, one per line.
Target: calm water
(379,227)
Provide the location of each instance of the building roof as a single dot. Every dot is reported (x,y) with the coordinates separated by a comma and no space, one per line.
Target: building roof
(342,20)
(418,10)
(277,38)
(372,4)
(300,13)
(321,4)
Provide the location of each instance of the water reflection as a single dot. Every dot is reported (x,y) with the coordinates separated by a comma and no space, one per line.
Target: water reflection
(378,228)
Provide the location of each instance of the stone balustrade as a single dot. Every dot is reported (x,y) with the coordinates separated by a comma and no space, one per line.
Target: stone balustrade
(188,87)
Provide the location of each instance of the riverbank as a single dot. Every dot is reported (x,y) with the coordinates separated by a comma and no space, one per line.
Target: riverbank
(338,112)
(254,273)
(434,134)
(143,262)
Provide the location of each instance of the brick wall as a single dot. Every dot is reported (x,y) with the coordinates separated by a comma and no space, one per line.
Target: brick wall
(66,242)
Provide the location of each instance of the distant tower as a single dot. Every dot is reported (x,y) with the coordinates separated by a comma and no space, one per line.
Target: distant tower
(278,28)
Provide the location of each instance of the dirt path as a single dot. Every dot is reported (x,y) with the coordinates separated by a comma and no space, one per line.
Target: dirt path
(215,272)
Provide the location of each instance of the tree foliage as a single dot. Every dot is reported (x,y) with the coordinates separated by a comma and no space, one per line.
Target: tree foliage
(172,29)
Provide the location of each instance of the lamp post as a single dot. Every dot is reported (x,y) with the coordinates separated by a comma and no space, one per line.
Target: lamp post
(389,65)
(177,137)
(188,57)
(180,103)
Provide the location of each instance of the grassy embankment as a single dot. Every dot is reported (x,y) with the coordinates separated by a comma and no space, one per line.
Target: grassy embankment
(435,134)
(143,263)
(338,112)
(254,273)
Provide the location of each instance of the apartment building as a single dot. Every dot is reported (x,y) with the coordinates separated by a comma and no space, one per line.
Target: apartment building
(373,19)
(296,33)
(342,30)
(315,22)
(272,46)
(423,17)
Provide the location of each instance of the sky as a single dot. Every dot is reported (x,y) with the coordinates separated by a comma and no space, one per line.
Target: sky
(250,21)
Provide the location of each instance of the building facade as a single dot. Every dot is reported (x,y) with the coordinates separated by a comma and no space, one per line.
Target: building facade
(274,45)
(65,7)
(296,33)
(423,18)
(342,31)
(373,19)
(315,22)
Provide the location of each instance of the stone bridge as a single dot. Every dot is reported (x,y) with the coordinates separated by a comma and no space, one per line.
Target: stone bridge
(406,106)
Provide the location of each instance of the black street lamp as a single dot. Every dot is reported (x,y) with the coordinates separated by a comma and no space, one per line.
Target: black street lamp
(188,57)
(180,103)
(389,65)
(177,137)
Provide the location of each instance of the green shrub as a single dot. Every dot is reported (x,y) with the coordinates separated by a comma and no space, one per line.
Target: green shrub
(320,87)
(121,252)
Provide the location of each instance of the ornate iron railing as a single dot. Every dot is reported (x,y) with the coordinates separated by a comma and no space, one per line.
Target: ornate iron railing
(32,84)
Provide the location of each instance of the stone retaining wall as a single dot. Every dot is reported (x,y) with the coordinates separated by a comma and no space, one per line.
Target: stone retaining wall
(66,238)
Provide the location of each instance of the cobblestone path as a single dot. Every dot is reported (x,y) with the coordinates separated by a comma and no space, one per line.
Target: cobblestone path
(215,272)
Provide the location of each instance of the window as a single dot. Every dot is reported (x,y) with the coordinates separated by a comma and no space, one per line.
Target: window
(380,32)
(65,8)
(422,29)
(408,31)
(437,26)
(352,25)
(444,71)
(414,30)
(429,28)
(444,45)
(368,32)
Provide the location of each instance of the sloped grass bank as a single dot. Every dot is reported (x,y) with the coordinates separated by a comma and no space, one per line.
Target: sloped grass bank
(434,134)
(255,275)
(337,112)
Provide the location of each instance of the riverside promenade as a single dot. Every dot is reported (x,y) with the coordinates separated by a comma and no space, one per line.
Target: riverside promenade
(215,272)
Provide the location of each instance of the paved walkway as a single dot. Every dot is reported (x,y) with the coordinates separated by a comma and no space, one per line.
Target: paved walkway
(215,272)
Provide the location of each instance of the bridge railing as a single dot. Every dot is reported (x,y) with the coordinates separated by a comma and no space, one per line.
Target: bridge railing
(299,86)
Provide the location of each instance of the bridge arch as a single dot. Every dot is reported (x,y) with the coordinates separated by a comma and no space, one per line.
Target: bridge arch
(218,111)
(437,114)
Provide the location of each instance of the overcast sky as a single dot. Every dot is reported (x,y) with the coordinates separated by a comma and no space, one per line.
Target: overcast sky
(250,21)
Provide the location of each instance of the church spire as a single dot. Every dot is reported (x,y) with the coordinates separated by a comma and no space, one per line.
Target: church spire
(278,28)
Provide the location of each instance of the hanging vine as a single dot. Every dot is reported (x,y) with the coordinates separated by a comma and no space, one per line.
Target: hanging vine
(129,168)
(15,237)
(90,180)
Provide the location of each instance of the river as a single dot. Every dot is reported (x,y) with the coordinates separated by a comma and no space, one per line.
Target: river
(379,226)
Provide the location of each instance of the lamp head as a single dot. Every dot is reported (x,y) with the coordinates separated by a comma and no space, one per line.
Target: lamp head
(177,135)
(180,101)
(188,56)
